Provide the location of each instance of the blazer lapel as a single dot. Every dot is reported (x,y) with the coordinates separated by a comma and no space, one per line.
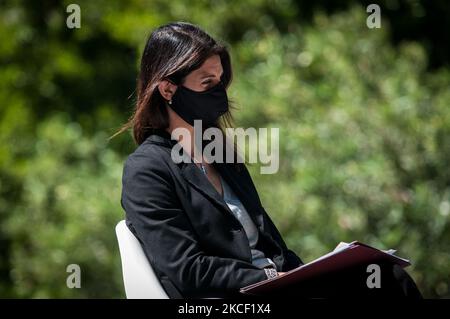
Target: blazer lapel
(244,191)
(195,177)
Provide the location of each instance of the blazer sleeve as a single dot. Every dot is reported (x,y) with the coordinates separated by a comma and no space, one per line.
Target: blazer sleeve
(292,260)
(168,239)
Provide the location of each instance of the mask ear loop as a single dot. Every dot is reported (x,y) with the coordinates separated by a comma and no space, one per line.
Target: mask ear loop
(171,81)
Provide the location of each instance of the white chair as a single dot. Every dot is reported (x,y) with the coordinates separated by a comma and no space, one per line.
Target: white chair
(139,279)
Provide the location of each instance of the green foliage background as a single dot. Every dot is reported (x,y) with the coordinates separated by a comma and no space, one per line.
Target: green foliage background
(364,133)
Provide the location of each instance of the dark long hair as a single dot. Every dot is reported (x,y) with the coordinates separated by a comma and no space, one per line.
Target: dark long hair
(172,52)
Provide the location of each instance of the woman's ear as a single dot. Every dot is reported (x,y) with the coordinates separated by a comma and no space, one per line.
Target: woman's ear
(167,89)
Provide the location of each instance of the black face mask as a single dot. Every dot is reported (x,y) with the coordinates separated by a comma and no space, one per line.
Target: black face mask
(207,105)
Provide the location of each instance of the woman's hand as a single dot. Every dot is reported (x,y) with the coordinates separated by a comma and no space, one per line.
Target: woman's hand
(281,273)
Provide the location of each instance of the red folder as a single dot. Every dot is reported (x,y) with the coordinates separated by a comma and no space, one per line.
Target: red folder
(347,255)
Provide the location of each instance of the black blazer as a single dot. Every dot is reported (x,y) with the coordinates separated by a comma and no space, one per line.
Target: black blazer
(194,243)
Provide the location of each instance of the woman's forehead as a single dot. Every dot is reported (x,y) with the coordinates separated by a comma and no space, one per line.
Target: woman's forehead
(212,66)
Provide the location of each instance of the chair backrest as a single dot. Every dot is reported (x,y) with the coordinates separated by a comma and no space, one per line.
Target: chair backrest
(139,279)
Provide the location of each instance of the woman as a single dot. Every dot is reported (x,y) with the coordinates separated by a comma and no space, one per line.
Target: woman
(202,225)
